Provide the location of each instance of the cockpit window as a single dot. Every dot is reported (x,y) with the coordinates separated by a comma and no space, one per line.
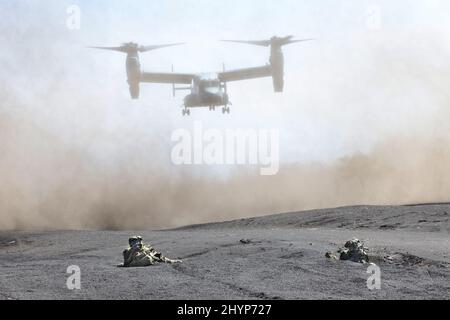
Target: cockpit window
(210,84)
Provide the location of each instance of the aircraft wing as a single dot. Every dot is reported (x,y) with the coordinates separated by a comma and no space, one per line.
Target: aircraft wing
(245,74)
(175,78)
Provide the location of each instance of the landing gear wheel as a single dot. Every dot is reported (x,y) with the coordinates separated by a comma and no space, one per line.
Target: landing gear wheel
(186,112)
(226,110)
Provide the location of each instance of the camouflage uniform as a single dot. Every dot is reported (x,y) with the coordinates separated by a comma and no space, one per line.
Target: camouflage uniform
(354,250)
(141,255)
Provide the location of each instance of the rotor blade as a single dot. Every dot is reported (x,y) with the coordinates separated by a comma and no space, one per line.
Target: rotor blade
(295,41)
(287,38)
(120,49)
(266,43)
(149,48)
(262,43)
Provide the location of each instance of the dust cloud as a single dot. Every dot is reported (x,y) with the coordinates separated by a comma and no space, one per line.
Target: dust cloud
(47,184)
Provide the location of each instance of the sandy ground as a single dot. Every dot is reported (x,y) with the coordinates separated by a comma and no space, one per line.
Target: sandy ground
(281,257)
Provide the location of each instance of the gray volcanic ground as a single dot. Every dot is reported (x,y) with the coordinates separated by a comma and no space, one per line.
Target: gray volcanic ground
(282,256)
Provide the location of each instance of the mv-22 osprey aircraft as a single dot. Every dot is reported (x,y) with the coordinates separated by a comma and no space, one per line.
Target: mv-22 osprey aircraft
(207,89)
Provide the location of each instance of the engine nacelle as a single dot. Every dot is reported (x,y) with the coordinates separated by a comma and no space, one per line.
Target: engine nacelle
(134,90)
(277,65)
(134,75)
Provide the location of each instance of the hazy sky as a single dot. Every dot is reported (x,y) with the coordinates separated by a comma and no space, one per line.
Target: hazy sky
(344,92)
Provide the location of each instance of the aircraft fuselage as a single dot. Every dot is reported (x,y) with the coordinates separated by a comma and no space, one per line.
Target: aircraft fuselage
(206,92)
